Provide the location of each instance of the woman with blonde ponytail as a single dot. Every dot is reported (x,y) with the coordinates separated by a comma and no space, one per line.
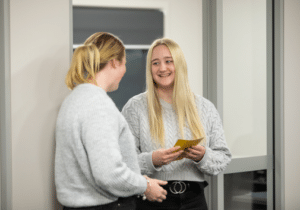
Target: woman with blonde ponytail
(169,111)
(96,165)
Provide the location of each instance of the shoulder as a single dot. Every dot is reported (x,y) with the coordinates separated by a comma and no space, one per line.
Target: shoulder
(89,93)
(203,103)
(136,102)
(140,98)
(88,97)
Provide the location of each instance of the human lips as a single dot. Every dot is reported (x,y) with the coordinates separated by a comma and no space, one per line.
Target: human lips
(164,75)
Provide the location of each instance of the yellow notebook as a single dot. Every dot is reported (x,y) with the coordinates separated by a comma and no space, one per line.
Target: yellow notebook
(184,144)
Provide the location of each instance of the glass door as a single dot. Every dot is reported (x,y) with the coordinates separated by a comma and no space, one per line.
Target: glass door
(238,71)
(245,102)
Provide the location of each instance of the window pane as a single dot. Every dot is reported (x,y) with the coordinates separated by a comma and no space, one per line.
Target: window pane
(132,26)
(247,190)
(134,80)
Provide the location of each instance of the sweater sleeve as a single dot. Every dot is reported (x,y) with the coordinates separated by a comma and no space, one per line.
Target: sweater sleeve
(100,135)
(130,112)
(217,155)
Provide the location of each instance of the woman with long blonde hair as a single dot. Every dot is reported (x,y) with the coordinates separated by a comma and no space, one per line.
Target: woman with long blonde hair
(169,111)
(96,165)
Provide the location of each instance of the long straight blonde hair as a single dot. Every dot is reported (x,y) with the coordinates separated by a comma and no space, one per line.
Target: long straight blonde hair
(92,57)
(183,98)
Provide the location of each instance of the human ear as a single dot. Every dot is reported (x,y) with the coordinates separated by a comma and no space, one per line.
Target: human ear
(113,63)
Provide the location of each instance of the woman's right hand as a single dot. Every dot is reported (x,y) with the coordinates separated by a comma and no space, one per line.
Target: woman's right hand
(165,156)
(154,190)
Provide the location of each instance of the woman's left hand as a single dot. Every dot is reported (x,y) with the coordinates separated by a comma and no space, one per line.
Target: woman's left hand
(195,153)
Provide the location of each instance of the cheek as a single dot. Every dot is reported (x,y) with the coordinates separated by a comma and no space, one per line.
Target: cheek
(123,71)
(173,68)
(153,71)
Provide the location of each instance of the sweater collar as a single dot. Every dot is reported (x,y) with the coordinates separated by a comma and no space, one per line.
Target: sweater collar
(165,104)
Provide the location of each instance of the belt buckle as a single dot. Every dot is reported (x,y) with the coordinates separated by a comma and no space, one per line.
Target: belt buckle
(173,189)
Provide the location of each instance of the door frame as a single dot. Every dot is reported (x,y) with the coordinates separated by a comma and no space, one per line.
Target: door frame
(273,162)
(5,108)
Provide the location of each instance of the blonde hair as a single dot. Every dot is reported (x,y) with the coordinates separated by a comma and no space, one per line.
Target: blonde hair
(92,57)
(183,98)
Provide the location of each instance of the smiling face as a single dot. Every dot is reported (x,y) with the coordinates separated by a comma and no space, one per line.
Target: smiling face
(162,67)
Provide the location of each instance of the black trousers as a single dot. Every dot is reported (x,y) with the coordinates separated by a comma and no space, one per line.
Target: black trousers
(192,199)
(121,204)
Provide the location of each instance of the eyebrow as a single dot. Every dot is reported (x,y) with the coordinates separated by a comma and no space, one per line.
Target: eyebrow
(154,60)
(164,58)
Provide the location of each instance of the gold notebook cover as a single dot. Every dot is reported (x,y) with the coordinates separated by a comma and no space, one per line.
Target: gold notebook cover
(184,144)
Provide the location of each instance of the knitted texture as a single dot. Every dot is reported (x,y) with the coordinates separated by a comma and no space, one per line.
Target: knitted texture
(95,160)
(217,155)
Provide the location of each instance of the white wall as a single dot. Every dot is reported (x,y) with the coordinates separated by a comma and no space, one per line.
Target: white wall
(292,103)
(186,30)
(183,23)
(40,55)
(244,73)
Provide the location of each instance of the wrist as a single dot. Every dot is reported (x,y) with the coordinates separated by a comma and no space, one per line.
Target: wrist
(151,163)
(154,162)
(148,187)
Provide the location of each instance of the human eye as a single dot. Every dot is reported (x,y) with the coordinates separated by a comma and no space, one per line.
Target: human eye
(155,63)
(169,61)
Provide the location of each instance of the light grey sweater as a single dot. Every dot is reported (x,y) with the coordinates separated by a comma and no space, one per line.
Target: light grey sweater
(217,155)
(95,158)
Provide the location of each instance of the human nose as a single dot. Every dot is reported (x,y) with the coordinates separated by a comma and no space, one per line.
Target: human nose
(162,67)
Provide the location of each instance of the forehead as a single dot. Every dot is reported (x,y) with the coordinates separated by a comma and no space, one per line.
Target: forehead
(161,51)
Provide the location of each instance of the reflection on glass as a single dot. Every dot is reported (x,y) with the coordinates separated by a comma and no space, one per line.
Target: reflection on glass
(246,191)
(134,80)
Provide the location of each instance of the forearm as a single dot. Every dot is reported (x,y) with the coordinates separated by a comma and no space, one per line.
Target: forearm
(122,182)
(146,164)
(214,161)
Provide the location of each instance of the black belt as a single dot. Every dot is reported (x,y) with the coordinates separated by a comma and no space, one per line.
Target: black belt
(180,187)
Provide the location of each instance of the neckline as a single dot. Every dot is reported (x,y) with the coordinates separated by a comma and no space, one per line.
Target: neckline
(92,86)
(165,104)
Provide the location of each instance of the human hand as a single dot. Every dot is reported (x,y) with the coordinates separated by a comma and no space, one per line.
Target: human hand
(195,153)
(165,156)
(154,190)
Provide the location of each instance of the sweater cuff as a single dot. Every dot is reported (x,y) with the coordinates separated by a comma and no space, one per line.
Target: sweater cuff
(150,165)
(203,161)
(144,184)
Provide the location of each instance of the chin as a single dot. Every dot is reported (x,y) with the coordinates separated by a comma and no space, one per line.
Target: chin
(166,86)
(112,89)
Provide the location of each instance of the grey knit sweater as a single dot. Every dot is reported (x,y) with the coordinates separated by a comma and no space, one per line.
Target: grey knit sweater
(95,158)
(217,155)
